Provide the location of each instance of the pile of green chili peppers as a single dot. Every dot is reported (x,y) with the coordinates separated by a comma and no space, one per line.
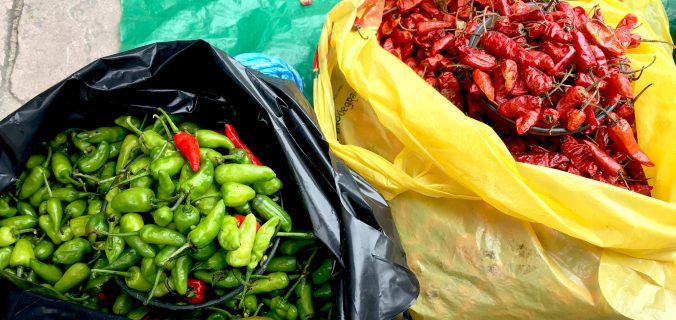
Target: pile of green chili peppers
(122,201)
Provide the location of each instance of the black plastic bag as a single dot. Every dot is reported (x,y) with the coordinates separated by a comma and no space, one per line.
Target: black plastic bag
(190,77)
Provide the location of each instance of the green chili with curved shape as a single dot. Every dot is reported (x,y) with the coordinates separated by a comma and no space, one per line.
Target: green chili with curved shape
(94,162)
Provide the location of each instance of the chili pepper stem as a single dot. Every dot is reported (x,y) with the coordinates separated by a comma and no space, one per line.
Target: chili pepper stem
(133,128)
(152,291)
(407,29)
(246,287)
(166,130)
(171,123)
(297,235)
(18,232)
(639,94)
(117,273)
(179,251)
(49,190)
(128,234)
(93,178)
(178,202)
(164,147)
(145,174)
(659,41)
(258,309)
(303,275)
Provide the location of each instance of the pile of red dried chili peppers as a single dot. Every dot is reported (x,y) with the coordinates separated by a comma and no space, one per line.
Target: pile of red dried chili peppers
(542,64)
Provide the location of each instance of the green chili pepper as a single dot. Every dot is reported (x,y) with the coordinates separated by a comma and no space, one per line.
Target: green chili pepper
(163,216)
(262,241)
(207,201)
(268,187)
(134,200)
(35,178)
(39,196)
(267,209)
(139,165)
(207,230)
(122,122)
(142,180)
(132,222)
(148,139)
(153,234)
(96,282)
(132,278)
(79,226)
(107,174)
(199,182)
(130,147)
(293,246)
(24,208)
(229,236)
(66,194)
(75,209)
(55,212)
(5,254)
(217,260)
(59,139)
(221,279)
(171,165)
(185,217)
(8,235)
(76,274)
(189,127)
(122,304)
(35,160)
(148,269)
(71,251)
(240,156)
(114,246)
(127,258)
(242,255)
(43,250)
(217,316)
(243,173)
(19,222)
(80,144)
(50,273)
(204,253)
(180,274)
(166,187)
(250,303)
(114,149)
(22,253)
(304,302)
(213,139)
(236,194)
(103,134)
(244,209)
(282,264)
(164,258)
(49,228)
(63,170)
(43,208)
(323,292)
(6,211)
(94,206)
(95,227)
(273,281)
(323,273)
(96,160)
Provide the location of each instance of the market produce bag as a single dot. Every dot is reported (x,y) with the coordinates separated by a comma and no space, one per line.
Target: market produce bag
(490,238)
(193,78)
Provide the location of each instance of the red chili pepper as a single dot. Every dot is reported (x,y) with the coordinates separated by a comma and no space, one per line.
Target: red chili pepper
(550,117)
(429,7)
(406,5)
(579,154)
(519,105)
(448,80)
(573,97)
(483,81)
(442,43)
(579,17)
(510,72)
(234,137)
(574,119)
(427,26)
(624,29)
(526,121)
(598,15)
(401,36)
(555,16)
(432,62)
(102,296)
(197,291)
(433,82)
(543,61)
(509,29)
(185,143)
(620,84)
(241,218)
(503,47)
(520,87)
(643,189)
(567,9)
(601,68)
(584,55)
(477,59)
(515,145)
(604,37)
(622,134)
(459,43)
(474,105)
(417,17)
(388,44)
(406,50)
(530,15)
(555,33)
(625,111)
(544,159)
(590,117)
(388,26)
(537,81)
(604,161)
(565,61)
(555,51)
(503,8)
(501,92)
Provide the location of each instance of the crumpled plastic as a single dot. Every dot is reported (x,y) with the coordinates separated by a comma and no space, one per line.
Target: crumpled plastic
(490,238)
(270,66)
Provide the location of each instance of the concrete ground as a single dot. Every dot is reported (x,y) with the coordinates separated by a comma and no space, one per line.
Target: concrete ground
(44,41)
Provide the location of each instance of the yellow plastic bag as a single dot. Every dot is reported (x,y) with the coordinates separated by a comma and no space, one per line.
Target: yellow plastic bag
(488,237)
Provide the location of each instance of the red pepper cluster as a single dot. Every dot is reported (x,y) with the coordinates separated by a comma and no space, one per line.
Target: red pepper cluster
(544,65)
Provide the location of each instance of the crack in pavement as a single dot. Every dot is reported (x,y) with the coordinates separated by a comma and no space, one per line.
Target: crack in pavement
(11,46)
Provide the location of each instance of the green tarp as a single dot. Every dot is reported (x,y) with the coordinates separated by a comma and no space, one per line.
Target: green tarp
(282,28)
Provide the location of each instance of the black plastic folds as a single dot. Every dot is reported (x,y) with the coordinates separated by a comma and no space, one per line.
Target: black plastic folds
(191,77)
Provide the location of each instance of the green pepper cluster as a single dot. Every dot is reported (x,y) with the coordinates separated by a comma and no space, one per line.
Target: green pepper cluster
(121,200)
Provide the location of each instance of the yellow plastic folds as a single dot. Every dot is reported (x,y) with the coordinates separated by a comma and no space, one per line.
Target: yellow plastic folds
(488,237)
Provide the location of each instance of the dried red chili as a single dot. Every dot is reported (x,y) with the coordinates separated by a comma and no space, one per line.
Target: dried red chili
(537,81)
(501,92)
(477,59)
(580,155)
(401,36)
(483,81)
(584,56)
(543,61)
(550,117)
(427,26)
(526,121)
(555,33)
(574,119)
(510,72)
(604,161)
(604,37)
(620,84)
(406,5)
(442,43)
(509,29)
(572,97)
(503,8)
(519,105)
(530,15)
(545,159)
(503,47)
(622,134)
